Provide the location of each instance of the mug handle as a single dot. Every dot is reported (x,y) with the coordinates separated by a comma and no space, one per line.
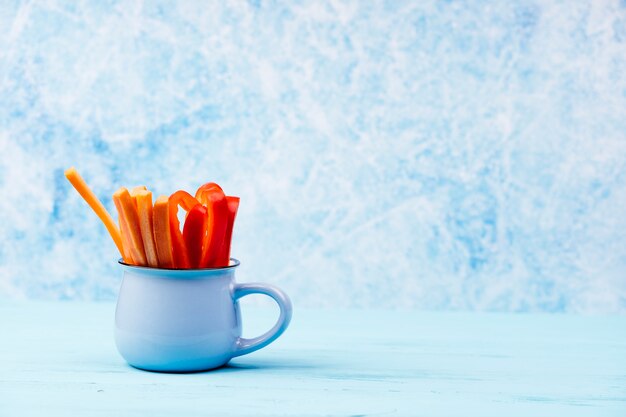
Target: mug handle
(245,346)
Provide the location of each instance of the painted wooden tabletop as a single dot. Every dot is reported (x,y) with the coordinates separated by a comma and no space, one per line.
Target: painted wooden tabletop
(59,359)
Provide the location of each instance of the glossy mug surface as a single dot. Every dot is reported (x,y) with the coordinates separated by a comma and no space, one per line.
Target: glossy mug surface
(187,320)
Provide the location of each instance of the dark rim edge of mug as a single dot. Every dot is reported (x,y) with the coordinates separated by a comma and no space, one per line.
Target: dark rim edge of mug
(235,264)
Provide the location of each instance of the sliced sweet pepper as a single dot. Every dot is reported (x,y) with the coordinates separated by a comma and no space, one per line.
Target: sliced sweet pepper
(207,188)
(223,259)
(162,233)
(193,233)
(179,249)
(212,197)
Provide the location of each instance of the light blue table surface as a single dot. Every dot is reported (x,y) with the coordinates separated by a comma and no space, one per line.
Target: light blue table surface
(59,359)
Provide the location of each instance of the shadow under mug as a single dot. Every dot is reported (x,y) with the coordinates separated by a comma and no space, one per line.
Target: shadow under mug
(177,320)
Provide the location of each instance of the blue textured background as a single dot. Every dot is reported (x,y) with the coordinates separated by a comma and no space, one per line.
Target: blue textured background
(439,155)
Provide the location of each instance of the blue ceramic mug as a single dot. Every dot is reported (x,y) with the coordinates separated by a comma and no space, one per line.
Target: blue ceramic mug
(176,320)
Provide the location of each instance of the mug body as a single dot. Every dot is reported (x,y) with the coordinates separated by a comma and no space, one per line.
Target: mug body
(177,320)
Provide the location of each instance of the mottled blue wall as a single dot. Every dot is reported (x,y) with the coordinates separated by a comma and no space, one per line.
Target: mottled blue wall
(437,155)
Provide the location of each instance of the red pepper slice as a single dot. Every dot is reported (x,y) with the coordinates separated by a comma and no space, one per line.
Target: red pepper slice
(193,233)
(179,249)
(223,259)
(212,197)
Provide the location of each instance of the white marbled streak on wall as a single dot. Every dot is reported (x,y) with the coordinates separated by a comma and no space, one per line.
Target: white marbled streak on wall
(436,155)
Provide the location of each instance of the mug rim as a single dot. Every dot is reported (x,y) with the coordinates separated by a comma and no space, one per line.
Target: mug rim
(234,263)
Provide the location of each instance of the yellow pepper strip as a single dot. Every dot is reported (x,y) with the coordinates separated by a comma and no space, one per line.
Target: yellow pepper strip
(96,205)
(162,233)
(129,221)
(144,210)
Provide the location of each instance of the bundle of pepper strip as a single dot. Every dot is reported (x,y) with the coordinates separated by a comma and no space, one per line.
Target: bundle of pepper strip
(149,234)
